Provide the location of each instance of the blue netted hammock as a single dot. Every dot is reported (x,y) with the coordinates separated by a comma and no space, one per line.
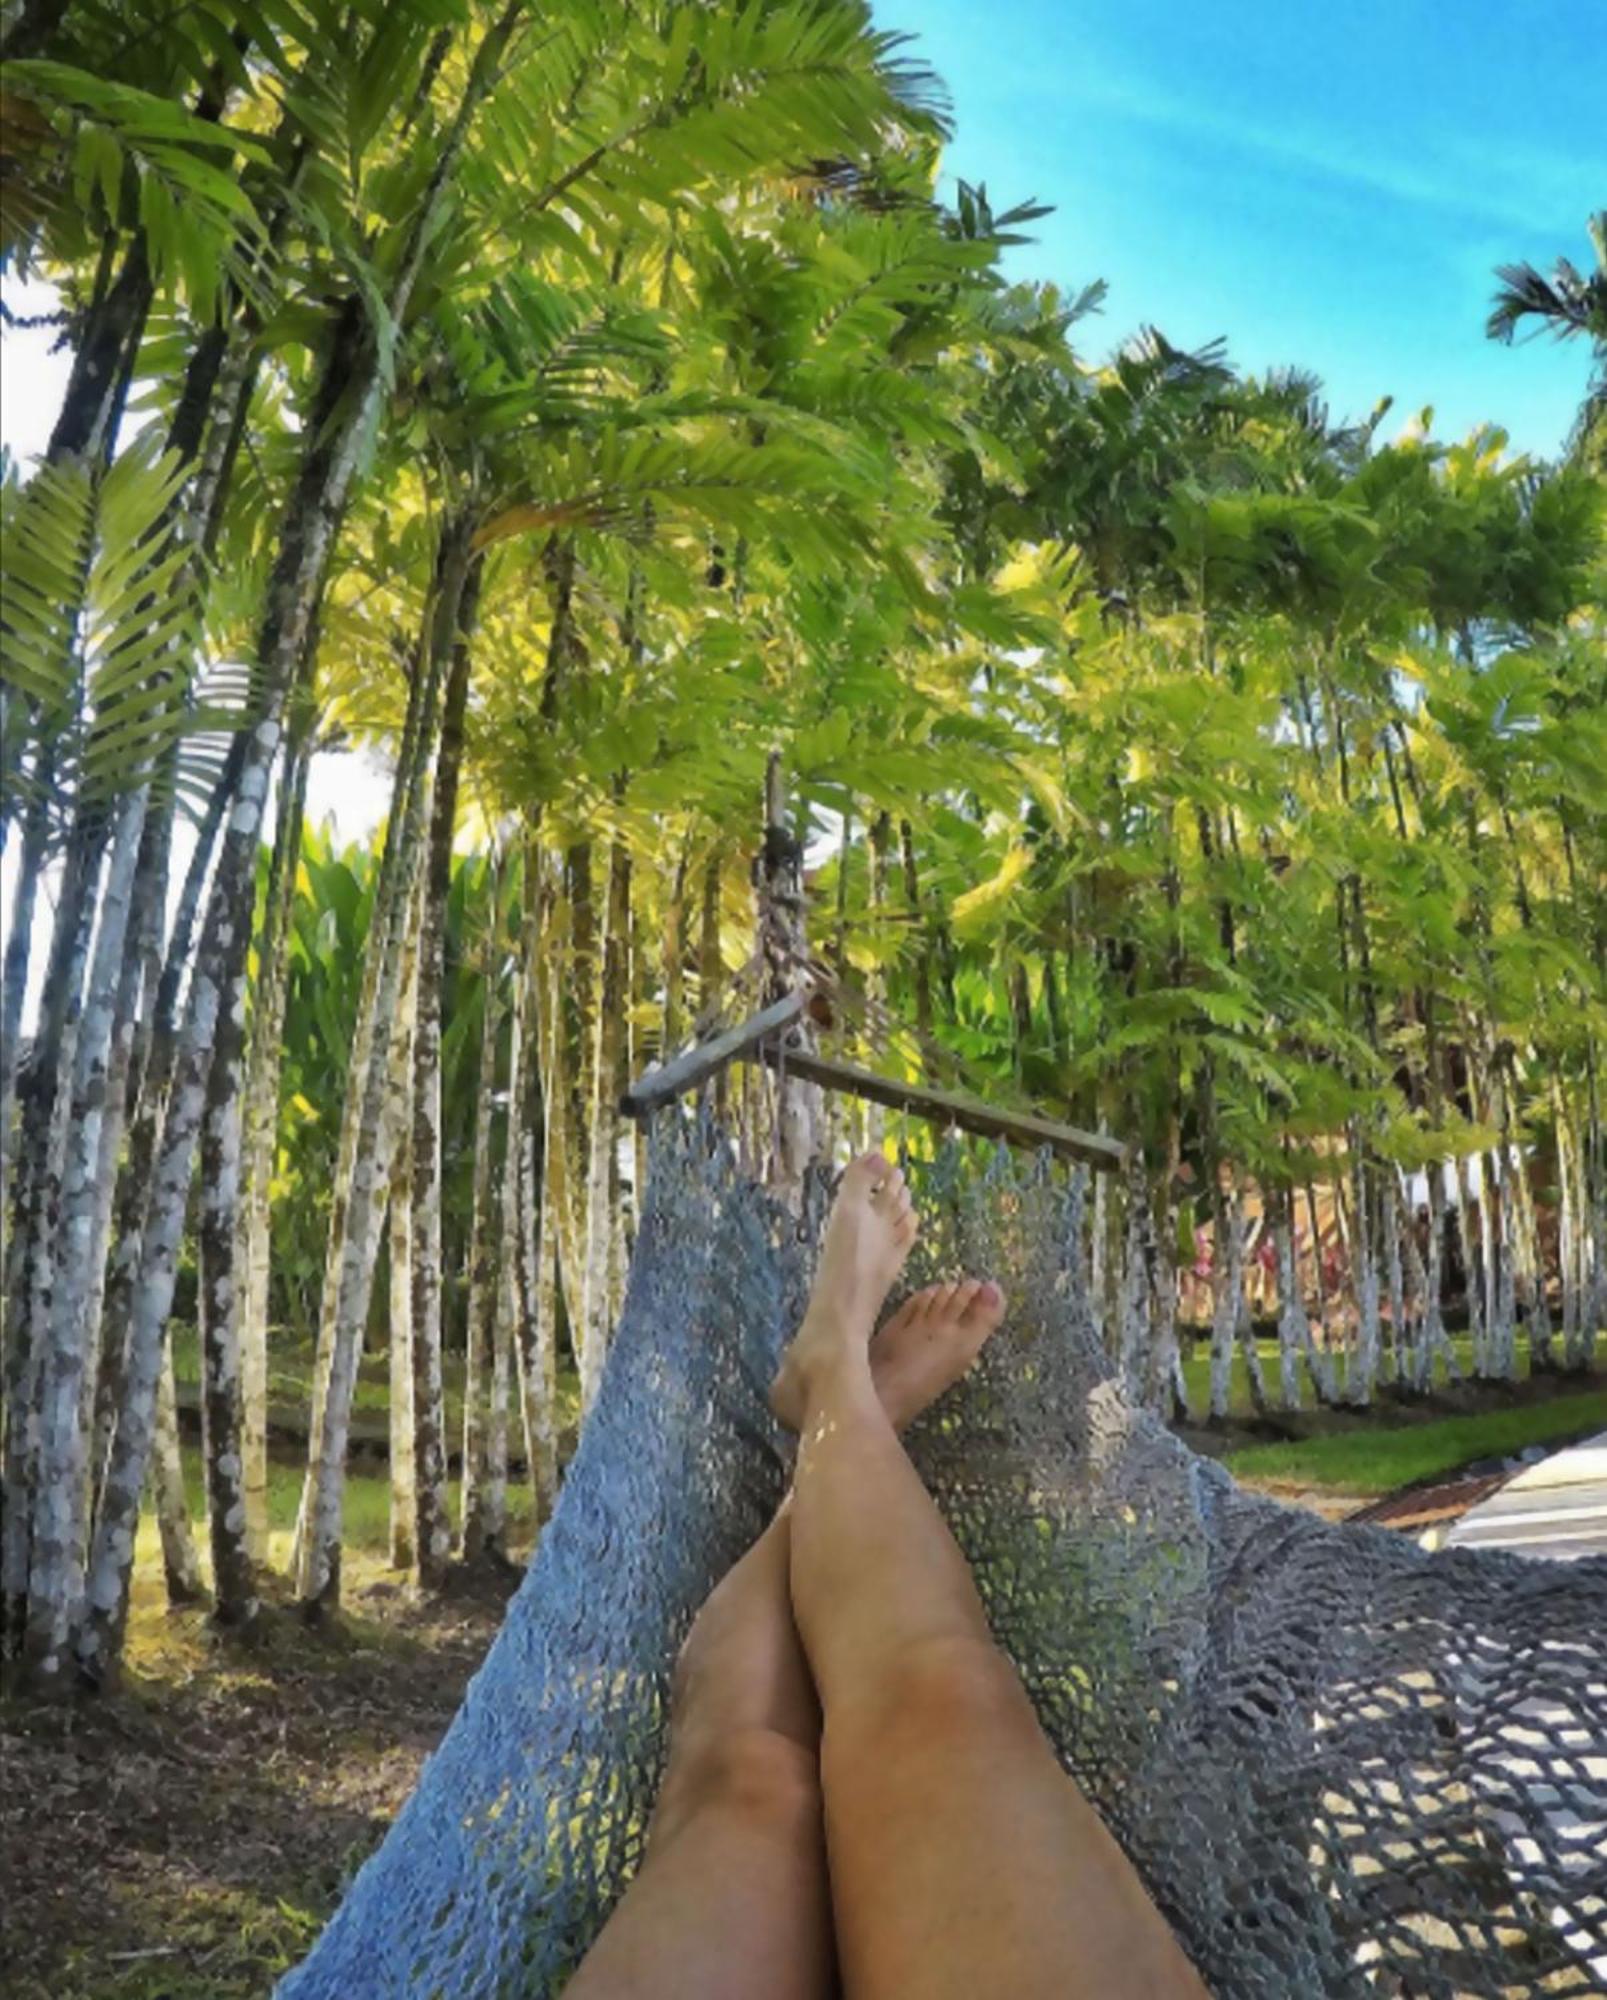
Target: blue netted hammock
(1342,1765)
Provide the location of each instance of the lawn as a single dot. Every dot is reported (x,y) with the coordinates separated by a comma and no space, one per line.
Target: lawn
(1367,1462)
(290,1381)
(290,1370)
(367,1511)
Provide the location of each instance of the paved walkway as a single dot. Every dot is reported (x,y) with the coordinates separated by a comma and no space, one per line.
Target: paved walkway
(1556,1508)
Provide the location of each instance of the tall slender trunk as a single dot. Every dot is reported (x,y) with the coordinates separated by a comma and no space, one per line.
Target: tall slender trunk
(607,1083)
(923,937)
(711,959)
(351,1268)
(1432,1323)
(433,1534)
(260,1129)
(403,1404)
(675,958)
(1228,1285)
(151,1061)
(234,1589)
(533,1296)
(14,973)
(511,1269)
(137,983)
(181,1567)
(1133,1325)
(92,406)
(482,1256)
(783,951)
(399,1349)
(1364,1278)
(30,1264)
(1294,1330)
(1529,1262)
(59,1491)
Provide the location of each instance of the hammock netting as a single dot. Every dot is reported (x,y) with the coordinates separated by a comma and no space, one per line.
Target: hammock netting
(1342,1765)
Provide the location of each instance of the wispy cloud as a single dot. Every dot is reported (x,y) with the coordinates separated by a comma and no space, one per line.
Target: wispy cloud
(1519,189)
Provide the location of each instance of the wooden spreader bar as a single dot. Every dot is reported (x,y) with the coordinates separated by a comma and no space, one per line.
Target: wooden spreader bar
(759,1040)
(947,1107)
(705,1059)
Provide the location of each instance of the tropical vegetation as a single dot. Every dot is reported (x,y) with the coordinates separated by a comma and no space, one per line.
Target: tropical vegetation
(598,411)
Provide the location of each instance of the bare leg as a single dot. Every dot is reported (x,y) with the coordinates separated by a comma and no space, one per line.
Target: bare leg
(732,1896)
(963,1861)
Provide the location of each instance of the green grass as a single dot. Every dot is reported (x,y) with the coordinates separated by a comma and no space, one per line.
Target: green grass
(290,1371)
(368,1504)
(1365,1463)
(290,1378)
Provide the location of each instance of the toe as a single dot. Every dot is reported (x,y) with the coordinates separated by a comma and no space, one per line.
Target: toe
(984,1303)
(906,1315)
(862,1176)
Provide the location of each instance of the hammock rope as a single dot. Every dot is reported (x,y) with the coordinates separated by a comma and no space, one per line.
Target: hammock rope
(1342,1765)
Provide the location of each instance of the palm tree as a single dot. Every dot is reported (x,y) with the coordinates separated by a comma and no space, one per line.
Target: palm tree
(1571,304)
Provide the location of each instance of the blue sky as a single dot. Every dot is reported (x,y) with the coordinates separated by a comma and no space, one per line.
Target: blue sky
(1328,185)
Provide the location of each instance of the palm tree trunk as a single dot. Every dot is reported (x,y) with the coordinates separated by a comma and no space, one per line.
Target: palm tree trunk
(607,1084)
(349,1279)
(137,985)
(482,1261)
(403,1407)
(511,1271)
(59,1490)
(151,1061)
(181,1568)
(260,1132)
(92,407)
(923,936)
(433,1535)
(1133,1325)
(315,508)
(42,1105)
(234,1594)
(1294,1330)
(14,973)
(534,1299)
(1364,1268)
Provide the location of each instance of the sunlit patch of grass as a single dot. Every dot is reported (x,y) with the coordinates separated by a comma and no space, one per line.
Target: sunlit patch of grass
(290,1372)
(163,1640)
(217,1943)
(1373,1461)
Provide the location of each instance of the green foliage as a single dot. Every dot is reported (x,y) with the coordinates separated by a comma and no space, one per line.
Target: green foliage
(101,624)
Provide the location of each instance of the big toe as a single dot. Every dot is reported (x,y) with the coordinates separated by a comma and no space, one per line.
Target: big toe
(979,1303)
(865,1174)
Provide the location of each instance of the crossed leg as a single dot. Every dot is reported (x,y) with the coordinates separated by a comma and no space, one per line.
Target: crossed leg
(732,1898)
(963,1861)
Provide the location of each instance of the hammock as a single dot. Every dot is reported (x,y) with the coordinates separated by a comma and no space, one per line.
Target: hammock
(1342,1766)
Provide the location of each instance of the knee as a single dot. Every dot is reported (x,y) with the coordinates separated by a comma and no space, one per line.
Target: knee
(935,1695)
(758,1775)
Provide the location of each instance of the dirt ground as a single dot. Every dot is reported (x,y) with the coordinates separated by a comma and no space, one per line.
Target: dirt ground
(188,1836)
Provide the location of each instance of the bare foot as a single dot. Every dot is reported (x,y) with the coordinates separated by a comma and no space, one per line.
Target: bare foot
(930,1342)
(867,1239)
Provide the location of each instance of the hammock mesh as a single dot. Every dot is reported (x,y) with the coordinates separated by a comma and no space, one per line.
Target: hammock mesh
(1341,1765)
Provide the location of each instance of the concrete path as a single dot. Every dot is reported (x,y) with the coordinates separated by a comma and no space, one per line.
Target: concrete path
(1556,1508)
